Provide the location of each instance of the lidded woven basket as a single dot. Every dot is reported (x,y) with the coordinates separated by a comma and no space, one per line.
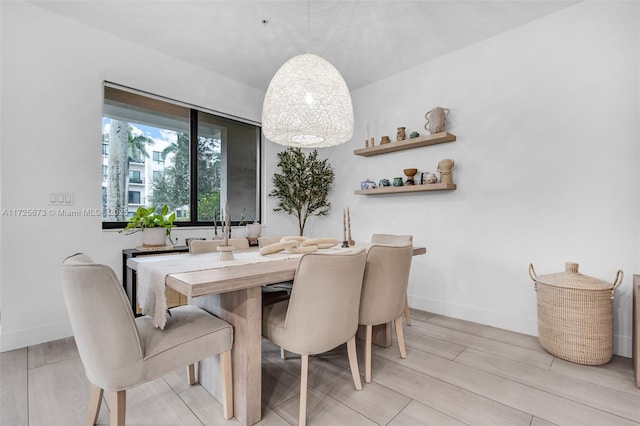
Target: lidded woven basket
(575,315)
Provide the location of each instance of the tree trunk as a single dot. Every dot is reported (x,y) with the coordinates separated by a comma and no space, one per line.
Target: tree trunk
(117,200)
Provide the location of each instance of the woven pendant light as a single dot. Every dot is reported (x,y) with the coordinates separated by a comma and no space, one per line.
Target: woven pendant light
(307,104)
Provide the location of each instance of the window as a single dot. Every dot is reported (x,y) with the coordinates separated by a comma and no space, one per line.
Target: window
(105,171)
(134,197)
(134,176)
(199,160)
(105,148)
(157,157)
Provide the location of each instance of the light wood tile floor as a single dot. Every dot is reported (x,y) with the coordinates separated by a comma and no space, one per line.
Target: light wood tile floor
(456,373)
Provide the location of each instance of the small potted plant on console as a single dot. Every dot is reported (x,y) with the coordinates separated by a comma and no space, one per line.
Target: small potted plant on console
(155,227)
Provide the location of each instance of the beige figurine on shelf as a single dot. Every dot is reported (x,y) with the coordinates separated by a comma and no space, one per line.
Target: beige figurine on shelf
(445,167)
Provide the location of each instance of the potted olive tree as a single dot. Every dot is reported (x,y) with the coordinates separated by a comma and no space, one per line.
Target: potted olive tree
(155,227)
(303,186)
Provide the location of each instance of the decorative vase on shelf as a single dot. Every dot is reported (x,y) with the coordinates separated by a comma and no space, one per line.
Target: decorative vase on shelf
(437,120)
(410,173)
(401,135)
(445,167)
(428,178)
(367,184)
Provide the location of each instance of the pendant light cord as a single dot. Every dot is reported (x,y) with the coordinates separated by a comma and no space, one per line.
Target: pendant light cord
(308,25)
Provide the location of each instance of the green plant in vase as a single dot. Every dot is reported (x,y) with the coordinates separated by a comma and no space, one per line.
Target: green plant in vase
(155,227)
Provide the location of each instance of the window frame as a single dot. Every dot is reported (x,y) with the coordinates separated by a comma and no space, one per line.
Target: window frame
(193,147)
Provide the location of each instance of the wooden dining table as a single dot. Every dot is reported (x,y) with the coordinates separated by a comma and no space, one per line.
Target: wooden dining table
(233,294)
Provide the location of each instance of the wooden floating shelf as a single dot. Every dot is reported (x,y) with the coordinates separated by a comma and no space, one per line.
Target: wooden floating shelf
(407,188)
(434,139)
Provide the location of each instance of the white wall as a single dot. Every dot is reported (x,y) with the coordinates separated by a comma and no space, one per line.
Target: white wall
(547,120)
(52,73)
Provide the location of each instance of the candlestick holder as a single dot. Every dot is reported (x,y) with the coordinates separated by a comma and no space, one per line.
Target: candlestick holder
(345,243)
(226,252)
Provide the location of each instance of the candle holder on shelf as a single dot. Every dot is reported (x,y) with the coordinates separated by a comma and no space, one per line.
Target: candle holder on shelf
(226,252)
(410,173)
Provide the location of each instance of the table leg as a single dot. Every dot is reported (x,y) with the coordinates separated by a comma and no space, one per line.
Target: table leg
(243,310)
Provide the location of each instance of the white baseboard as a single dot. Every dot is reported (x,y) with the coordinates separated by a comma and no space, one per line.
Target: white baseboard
(621,344)
(34,335)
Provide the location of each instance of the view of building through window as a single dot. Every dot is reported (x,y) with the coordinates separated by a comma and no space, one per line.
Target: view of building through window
(147,160)
(156,167)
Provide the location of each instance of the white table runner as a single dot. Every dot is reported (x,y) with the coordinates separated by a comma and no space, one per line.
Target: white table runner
(152,274)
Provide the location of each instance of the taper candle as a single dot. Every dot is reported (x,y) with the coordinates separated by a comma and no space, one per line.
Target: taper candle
(349,226)
(344,225)
(227,224)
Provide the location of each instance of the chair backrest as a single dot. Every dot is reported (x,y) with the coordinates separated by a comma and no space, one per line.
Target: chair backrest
(102,323)
(208,246)
(391,239)
(323,308)
(384,287)
(265,241)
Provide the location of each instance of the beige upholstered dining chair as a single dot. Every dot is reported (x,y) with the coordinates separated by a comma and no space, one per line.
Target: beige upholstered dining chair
(384,291)
(321,314)
(208,246)
(119,352)
(395,240)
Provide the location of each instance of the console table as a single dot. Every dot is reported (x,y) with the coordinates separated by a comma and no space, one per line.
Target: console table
(129,281)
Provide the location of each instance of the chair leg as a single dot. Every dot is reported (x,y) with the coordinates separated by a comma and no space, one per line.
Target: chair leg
(284,354)
(400,336)
(304,372)
(367,353)
(353,362)
(191,374)
(118,400)
(407,313)
(95,399)
(227,384)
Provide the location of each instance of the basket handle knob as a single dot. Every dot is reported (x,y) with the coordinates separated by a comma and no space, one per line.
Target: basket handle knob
(532,273)
(571,267)
(617,281)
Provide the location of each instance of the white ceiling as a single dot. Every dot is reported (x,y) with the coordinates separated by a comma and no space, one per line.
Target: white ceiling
(366,40)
